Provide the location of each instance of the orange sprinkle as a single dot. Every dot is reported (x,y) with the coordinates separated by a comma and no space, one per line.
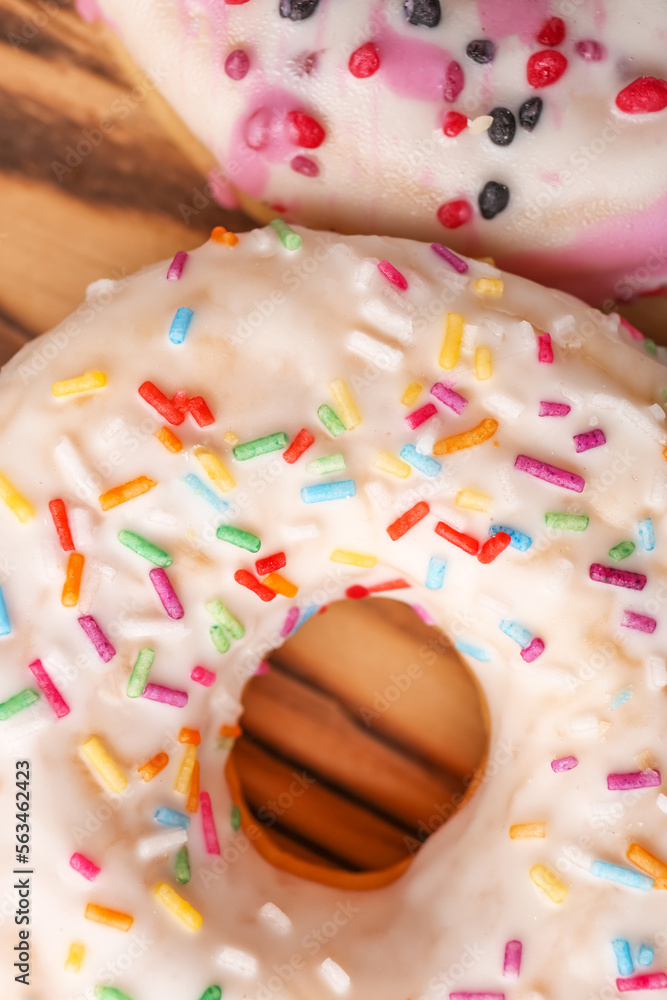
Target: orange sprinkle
(189,736)
(476,435)
(171,442)
(72,584)
(153,766)
(221,235)
(648,863)
(185,770)
(112,918)
(230,732)
(128,491)
(192,803)
(278,583)
(525,831)
(664,453)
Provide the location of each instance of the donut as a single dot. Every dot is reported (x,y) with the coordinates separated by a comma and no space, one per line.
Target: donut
(498,128)
(194,463)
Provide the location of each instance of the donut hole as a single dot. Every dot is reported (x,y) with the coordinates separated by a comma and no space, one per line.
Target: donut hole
(358,743)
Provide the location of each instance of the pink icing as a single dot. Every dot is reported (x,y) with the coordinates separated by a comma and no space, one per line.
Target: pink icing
(89,10)
(411,67)
(500,18)
(221,189)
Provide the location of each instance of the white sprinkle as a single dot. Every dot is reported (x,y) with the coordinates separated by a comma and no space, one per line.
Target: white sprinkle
(644,424)
(561,328)
(657,671)
(71,465)
(498,607)
(566,390)
(393,323)
(603,401)
(657,412)
(161,843)
(238,961)
(661,802)
(527,333)
(51,560)
(80,526)
(163,517)
(101,287)
(385,357)
(275,916)
(480,124)
(378,494)
(469,339)
(299,532)
(337,977)
(90,585)
(506,477)
(112,429)
(366,271)
(137,629)
(431,433)
(504,406)
(102,568)
(584,725)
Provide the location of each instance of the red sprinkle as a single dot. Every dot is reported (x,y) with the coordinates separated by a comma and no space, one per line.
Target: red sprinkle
(454,81)
(364,61)
(454,123)
(652,981)
(545,352)
(247,580)
(392,275)
(301,443)
(237,64)
(398,584)
(356,592)
(159,402)
(59,515)
(417,417)
(647,93)
(302,130)
(304,165)
(200,411)
(493,547)
(545,67)
(270,564)
(180,400)
(552,31)
(455,213)
(465,542)
(408,520)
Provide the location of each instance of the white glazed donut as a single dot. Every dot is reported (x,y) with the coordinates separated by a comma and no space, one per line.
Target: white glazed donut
(369,117)
(462,399)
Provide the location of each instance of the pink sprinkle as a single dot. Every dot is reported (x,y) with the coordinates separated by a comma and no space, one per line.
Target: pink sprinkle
(652,981)
(617,577)
(165,592)
(167,695)
(531,652)
(512,963)
(589,439)
(591,50)
(545,352)
(420,415)
(449,397)
(424,614)
(398,584)
(564,764)
(550,473)
(632,330)
(84,866)
(642,623)
(548,409)
(456,262)
(289,623)
(208,824)
(263,668)
(176,267)
(51,692)
(634,779)
(454,81)
(203,676)
(97,637)
(237,64)
(391,274)
(304,165)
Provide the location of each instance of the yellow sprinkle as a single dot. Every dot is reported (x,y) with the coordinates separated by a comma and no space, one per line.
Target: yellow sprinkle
(648,863)
(520,831)
(167,437)
(483,364)
(411,394)
(489,286)
(486,260)
(353,558)
(72,584)
(128,491)
(91,380)
(75,957)
(112,918)
(15,501)
(192,803)
(178,906)
(457,442)
(451,345)
(104,764)
(471,500)
(547,880)
(664,453)
(215,469)
(278,583)
(231,438)
(348,408)
(184,774)
(221,235)
(389,463)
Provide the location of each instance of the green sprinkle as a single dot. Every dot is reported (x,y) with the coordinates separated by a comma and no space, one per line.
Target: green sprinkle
(566,522)
(235,818)
(328,463)
(650,347)
(621,551)
(261,446)
(110,993)
(144,548)
(24,699)
(182,865)
(219,637)
(212,993)
(236,536)
(289,239)
(224,617)
(331,420)
(139,676)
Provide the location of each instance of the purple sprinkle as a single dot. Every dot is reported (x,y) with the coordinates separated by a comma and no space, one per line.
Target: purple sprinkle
(290,621)
(165,592)
(97,637)
(237,64)
(419,416)
(167,695)
(545,352)
(548,409)
(550,473)
(512,963)
(304,165)
(176,267)
(617,577)
(634,779)
(392,275)
(454,81)
(591,50)
(564,764)
(642,623)
(589,439)
(456,262)
(531,652)
(449,397)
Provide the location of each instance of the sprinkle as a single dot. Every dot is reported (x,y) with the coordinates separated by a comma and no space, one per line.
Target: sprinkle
(5,624)
(472,500)
(649,778)
(531,652)
(219,234)
(412,394)
(623,957)
(550,473)
(549,409)
(164,406)
(260,446)
(385,357)
(106,767)
(450,398)
(423,463)
(588,440)
(166,695)
(623,876)
(548,881)
(512,960)
(418,417)
(104,648)
(91,380)
(208,824)
(184,774)
(247,580)
(84,866)
(457,442)
(620,697)
(144,548)
(289,239)
(180,325)
(489,286)
(648,863)
(617,577)
(166,593)
(331,420)
(451,345)
(128,491)
(178,906)
(566,522)
(207,494)
(525,831)
(111,918)
(271,564)
(515,631)
(301,443)
(236,536)
(215,469)
(471,649)
(110,993)
(139,676)
(182,866)
(326,465)
(17,703)
(153,766)
(51,692)
(518,540)
(545,352)
(225,618)
(353,558)
(192,802)
(458,538)
(160,844)
(652,981)
(75,957)
(392,275)
(290,621)
(200,411)
(408,520)
(435,574)
(452,259)
(621,551)
(15,501)
(203,676)
(341,490)
(219,638)
(646,534)
(493,547)
(171,817)
(483,364)
(645,954)
(282,586)
(641,623)
(59,515)
(389,463)
(170,441)
(176,267)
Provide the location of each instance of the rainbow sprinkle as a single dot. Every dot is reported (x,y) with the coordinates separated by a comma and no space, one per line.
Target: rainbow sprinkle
(623,957)
(84,866)
(289,239)
(331,420)
(260,446)
(139,676)
(446,395)
(51,692)
(16,502)
(176,267)
(178,906)
(17,703)
(104,648)
(5,624)
(180,325)
(103,763)
(83,383)
(110,918)
(550,473)
(392,275)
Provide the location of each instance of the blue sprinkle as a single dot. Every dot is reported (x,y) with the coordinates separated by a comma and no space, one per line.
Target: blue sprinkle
(5,624)
(195,483)
(470,649)
(170,817)
(341,490)
(423,463)
(307,613)
(516,632)
(646,534)
(436,573)
(645,954)
(623,957)
(620,698)
(180,324)
(519,541)
(624,876)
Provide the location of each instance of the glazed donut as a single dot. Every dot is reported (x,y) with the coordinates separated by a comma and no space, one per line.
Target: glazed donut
(498,128)
(191,465)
